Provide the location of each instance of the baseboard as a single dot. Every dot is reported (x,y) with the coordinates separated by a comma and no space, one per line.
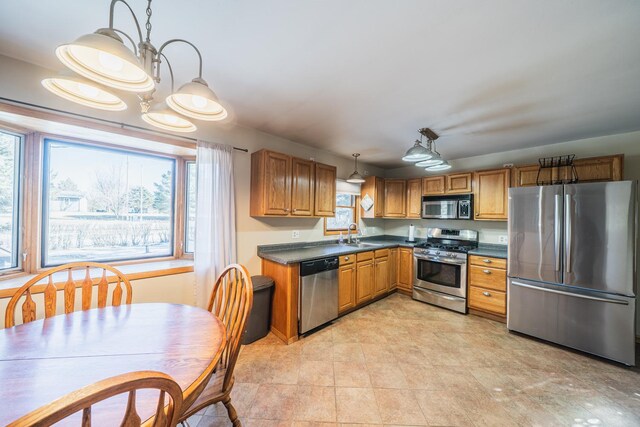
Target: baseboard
(491,316)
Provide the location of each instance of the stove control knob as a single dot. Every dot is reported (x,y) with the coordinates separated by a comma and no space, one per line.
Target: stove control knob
(453,255)
(437,252)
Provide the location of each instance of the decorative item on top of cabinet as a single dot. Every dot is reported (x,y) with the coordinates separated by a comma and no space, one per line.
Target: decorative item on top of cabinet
(459,183)
(395,194)
(325,183)
(491,194)
(488,287)
(347,283)
(414,197)
(405,270)
(590,169)
(433,185)
(374,187)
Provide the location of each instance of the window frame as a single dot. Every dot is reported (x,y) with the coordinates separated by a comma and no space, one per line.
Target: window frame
(185,230)
(18,201)
(356,216)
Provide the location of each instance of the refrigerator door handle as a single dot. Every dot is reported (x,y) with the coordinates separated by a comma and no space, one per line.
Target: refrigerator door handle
(558,229)
(554,291)
(567,232)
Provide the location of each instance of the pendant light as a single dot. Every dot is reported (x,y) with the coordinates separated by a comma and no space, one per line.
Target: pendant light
(195,99)
(160,115)
(84,92)
(435,157)
(441,167)
(355,177)
(417,153)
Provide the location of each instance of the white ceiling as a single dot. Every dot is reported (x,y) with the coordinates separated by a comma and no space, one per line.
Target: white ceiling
(364,75)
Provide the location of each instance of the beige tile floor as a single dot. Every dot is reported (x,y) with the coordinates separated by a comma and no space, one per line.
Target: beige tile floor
(401,362)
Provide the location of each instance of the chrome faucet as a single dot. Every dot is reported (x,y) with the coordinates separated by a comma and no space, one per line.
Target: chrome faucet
(352,226)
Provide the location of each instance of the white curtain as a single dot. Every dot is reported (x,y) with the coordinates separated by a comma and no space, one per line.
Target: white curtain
(215,242)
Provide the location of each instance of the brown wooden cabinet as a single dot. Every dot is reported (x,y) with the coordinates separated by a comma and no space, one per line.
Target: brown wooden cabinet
(381,264)
(491,194)
(433,185)
(405,270)
(414,198)
(590,169)
(365,278)
(325,185)
(488,286)
(346,283)
(395,196)
(374,187)
(302,187)
(393,268)
(459,183)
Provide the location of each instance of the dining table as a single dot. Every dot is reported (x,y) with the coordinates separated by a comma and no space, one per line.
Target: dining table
(45,359)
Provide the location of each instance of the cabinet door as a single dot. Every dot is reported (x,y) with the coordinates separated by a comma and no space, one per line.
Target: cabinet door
(433,185)
(527,176)
(395,198)
(277,183)
(405,269)
(365,277)
(325,199)
(414,198)
(492,192)
(595,169)
(379,202)
(393,268)
(302,184)
(381,276)
(346,287)
(459,183)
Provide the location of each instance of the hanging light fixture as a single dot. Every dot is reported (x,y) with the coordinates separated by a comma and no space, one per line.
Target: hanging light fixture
(103,58)
(430,159)
(355,177)
(441,167)
(417,153)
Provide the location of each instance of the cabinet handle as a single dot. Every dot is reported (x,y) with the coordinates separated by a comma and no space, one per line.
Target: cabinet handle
(486,271)
(486,294)
(346,258)
(488,261)
(294,210)
(286,209)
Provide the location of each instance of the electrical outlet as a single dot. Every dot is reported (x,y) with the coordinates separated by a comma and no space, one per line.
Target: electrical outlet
(295,234)
(503,239)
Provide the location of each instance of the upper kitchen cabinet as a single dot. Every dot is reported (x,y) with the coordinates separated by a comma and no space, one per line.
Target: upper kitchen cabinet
(591,169)
(433,185)
(491,194)
(395,196)
(373,186)
(282,185)
(325,185)
(459,183)
(414,197)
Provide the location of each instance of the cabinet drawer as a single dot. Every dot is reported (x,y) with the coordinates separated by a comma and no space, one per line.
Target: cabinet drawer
(381,253)
(491,278)
(363,256)
(488,300)
(488,261)
(347,259)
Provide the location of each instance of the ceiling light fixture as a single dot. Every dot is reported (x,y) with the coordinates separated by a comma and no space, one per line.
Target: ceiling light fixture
(102,57)
(426,157)
(355,177)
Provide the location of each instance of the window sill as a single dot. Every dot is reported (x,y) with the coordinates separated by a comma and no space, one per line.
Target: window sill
(146,270)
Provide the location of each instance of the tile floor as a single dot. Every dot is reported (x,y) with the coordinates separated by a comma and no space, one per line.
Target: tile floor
(402,362)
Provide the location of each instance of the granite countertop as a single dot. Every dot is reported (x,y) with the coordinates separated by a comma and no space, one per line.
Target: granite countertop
(291,253)
(494,251)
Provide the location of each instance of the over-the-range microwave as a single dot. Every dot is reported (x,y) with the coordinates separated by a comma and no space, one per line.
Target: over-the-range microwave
(448,207)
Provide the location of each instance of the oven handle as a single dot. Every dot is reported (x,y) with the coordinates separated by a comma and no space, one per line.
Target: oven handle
(443,261)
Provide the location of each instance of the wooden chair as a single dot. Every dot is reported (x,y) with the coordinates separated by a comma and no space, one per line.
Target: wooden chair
(231,302)
(86,397)
(50,292)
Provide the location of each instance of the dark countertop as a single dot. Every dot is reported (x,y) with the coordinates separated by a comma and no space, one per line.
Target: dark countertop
(494,251)
(291,253)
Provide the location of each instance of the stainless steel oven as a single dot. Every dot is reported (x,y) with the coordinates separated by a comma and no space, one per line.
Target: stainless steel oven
(447,207)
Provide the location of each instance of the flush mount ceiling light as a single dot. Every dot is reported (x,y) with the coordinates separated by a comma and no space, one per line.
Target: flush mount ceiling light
(102,57)
(355,177)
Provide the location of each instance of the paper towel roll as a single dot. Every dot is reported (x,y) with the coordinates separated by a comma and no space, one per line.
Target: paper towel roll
(412,231)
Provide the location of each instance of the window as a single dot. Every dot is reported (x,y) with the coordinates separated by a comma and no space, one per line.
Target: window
(345,214)
(9,200)
(190,209)
(103,204)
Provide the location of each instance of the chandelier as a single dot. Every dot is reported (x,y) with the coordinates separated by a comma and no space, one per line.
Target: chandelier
(426,157)
(101,63)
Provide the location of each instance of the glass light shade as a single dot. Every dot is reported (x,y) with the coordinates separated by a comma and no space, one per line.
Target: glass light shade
(103,58)
(436,160)
(417,153)
(355,178)
(441,167)
(161,116)
(83,92)
(196,100)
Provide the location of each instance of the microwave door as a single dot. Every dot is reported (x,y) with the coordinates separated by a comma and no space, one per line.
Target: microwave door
(441,209)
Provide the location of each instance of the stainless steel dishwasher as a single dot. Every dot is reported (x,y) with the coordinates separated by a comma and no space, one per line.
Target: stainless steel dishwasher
(318,293)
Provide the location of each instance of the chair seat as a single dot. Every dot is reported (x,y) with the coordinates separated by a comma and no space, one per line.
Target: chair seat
(212,392)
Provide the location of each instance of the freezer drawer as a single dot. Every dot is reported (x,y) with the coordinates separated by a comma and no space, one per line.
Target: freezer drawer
(597,323)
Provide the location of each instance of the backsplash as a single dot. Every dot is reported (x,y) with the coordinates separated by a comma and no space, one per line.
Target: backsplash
(488,231)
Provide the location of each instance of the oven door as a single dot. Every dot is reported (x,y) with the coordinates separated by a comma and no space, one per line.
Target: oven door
(448,276)
(442,209)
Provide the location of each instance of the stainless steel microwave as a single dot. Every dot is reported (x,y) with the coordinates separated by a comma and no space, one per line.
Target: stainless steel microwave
(448,207)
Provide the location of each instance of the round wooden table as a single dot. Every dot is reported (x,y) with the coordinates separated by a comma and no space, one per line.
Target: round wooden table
(46,359)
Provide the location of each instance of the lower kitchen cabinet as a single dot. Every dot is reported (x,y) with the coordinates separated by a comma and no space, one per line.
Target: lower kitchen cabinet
(346,283)
(393,268)
(365,278)
(405,270)
(488,287)
(381,263)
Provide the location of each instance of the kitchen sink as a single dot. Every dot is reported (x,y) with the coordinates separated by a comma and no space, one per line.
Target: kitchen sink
(365,245)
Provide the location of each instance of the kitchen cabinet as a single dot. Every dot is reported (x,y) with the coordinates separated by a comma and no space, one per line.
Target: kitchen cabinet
(374,187)
(393,268)
(414,198)
(590,169)
(488,286)
(491,194)
(381,265)
(325,183)
(395,196)
(346,283)
(365,277)
(282,185)
(433,185)
(405,270)
(459,183)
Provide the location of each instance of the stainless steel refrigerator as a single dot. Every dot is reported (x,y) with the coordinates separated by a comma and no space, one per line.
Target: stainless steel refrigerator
(572,266)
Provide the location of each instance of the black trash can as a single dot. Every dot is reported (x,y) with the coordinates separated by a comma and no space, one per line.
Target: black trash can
(260,316)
